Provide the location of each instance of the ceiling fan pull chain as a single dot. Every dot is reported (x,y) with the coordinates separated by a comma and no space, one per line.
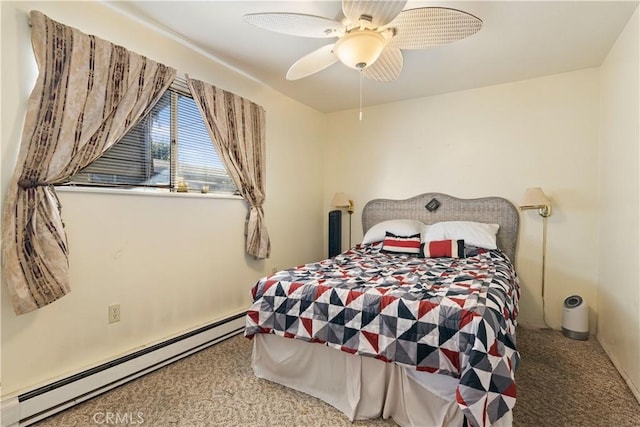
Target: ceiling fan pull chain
(361,77)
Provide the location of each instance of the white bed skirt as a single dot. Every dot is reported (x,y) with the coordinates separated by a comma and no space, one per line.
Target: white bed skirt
(360,387)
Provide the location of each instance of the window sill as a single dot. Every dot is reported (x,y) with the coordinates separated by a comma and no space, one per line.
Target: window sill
(153,192)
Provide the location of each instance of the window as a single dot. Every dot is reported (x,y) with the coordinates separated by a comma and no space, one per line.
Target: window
(169,148)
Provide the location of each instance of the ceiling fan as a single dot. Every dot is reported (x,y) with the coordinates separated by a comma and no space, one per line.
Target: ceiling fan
(371,36)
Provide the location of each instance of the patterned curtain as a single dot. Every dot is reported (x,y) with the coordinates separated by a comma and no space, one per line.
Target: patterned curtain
(237,129)
(88,94)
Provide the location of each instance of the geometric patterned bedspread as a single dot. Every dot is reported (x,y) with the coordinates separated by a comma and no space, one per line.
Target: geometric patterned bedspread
(444,315)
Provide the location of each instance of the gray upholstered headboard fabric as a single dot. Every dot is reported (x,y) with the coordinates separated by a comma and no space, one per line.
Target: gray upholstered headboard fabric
(494,210)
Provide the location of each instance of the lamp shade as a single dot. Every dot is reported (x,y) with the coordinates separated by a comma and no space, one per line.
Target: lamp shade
(359,48)
(534,197)
(340,200)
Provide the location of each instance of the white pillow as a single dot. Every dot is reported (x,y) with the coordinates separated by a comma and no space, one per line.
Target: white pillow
(399,227)
(425,229)
(473,233)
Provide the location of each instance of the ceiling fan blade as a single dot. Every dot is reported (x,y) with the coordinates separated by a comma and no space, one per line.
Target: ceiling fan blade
(426,27)
(313,62)
(387,67)
(381,12)
(296,24)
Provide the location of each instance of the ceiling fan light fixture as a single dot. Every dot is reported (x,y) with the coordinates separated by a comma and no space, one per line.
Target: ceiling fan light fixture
(359,48)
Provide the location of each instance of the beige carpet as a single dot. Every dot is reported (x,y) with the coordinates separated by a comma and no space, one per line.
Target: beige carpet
(564,382)
(561,382)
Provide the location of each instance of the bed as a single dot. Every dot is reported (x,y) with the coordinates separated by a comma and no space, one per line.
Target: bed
(378,332)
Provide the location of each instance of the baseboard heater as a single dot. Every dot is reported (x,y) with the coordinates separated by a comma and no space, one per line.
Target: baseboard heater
(45,401)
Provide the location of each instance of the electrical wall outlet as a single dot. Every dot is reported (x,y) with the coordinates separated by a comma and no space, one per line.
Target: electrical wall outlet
(114,313)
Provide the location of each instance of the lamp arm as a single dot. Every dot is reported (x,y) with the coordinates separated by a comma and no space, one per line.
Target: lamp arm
(350,207)
(543,210)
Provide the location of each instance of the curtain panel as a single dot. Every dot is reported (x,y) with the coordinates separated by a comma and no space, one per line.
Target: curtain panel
(237,129)
(88,94)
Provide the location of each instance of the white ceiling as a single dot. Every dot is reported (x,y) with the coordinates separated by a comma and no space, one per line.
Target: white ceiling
(519,40)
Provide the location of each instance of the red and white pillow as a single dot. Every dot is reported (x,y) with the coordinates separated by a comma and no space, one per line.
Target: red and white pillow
(401,244)
(442,248)
(413,246)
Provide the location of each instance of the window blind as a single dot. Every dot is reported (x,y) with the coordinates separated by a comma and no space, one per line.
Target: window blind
(169,148)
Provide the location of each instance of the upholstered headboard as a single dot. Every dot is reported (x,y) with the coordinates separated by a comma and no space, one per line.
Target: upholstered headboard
(495,210)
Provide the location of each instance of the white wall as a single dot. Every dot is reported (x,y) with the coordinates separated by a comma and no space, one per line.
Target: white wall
(173,263)
(492,141)
(618,255)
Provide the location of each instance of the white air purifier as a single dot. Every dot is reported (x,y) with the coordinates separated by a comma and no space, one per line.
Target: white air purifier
(575,321)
